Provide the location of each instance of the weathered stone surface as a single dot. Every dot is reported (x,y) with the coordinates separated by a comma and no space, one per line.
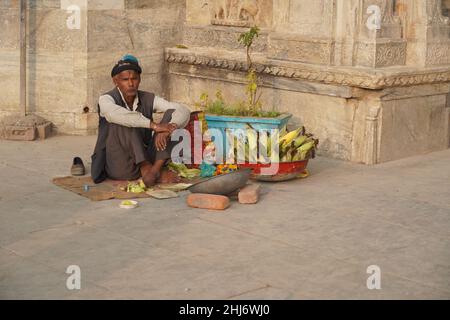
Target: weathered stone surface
(69,69)
(9,28)
(63,123)
(86,121)
(241,13)
(330,119)
(413,126)
(197,13)
(302,50)
(307,18)
(48,30)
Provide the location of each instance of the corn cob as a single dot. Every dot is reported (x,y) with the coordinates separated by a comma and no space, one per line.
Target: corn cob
(288,138)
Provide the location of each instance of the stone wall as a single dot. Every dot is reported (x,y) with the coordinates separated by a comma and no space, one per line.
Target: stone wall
(371,78)
(67,69)
(56,74)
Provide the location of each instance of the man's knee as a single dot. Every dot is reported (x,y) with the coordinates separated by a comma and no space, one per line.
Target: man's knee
(124,133)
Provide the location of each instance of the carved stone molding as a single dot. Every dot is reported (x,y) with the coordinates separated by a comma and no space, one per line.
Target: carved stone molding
(438,53)
(301,50)
(381,54)
(390,25)
(353,77)
(221,37)
(383,47)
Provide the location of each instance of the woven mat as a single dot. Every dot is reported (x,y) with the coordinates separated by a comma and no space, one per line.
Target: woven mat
(107,190)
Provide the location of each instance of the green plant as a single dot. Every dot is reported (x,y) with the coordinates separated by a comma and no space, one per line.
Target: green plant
(252,106)
(247,39)
(218,106)
(253,100)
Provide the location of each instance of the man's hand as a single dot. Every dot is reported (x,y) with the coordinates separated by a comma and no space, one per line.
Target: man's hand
(163,127)
(161,140)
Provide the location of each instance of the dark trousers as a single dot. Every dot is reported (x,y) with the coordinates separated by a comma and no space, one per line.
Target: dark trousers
(126,149)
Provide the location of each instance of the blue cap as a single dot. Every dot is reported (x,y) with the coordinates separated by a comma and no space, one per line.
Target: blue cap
(128,62)
(130,58)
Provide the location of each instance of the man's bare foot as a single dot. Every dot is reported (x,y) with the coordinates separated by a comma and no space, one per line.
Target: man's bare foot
(167,177)
(150,179)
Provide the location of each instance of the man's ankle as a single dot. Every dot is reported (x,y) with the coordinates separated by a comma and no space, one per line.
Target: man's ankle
(145,167)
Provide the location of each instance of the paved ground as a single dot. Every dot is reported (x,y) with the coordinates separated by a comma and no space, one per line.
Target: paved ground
(306,239)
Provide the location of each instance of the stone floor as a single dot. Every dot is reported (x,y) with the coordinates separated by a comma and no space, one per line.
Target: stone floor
(306,239)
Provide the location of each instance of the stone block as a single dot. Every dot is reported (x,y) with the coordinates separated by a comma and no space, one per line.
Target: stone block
(20,133)
(101,37)
(197,13)
(310,51)
(241,13)
(381,53)
(48,30)
(9,30)
(63,123)
(249,194)
(57,94)
(308,18)
(44,130)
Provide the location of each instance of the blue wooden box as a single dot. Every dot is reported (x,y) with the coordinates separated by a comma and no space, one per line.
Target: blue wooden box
(229,122)
(224,123)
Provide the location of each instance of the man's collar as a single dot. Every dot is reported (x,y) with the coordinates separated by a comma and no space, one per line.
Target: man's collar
(135,102)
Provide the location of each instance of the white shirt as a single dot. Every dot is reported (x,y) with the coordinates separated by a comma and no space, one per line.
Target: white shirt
(114,113)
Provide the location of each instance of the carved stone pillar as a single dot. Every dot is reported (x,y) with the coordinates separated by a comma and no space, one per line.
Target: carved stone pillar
(427,32)
(380,42)
(371,152)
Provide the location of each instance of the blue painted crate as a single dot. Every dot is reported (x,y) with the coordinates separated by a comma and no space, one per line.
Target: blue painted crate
(223,123)
(229,122)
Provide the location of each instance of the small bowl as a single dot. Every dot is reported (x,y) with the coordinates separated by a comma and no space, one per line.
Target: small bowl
(133,204)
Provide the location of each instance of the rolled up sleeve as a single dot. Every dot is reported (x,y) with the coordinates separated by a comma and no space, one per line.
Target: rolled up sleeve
(181,115)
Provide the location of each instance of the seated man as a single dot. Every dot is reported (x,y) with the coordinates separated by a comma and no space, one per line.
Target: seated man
(126,147)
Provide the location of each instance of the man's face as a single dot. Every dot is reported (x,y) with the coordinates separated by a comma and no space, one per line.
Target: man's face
(128,82)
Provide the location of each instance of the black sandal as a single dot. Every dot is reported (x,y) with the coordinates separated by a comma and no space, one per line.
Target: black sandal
(77,168)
